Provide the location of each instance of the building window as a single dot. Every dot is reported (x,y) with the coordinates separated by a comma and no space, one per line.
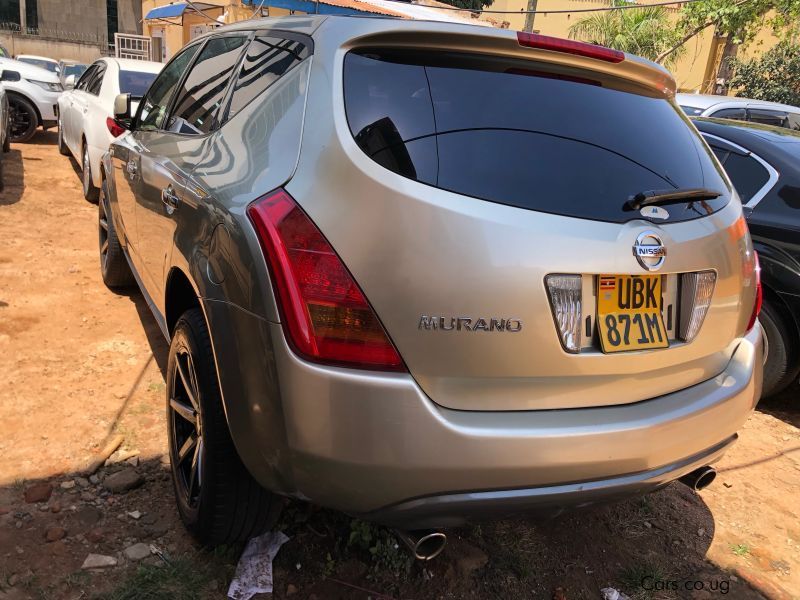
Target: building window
(111,20)
(32,14)
(9,14)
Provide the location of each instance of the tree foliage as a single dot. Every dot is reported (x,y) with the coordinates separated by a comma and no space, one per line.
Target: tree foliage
(646,31)
(773,76)
(469,4)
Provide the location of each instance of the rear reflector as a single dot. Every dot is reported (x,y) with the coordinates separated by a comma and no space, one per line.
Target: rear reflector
(696,292)
(565,301)
(546,42)
(759,292)
(325,316)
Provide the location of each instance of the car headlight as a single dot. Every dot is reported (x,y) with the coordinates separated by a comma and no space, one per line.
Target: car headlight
(46,85)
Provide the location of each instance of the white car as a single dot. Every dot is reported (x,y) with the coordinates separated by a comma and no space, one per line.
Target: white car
(86,124)
(40,61)
(32,97)
(740,109)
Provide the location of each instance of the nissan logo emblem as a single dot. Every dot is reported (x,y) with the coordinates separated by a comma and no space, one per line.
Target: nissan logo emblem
(649,250)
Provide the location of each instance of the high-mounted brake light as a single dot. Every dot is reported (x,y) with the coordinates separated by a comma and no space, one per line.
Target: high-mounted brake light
(114,128)
(546,42)
(325,315)
(759,292)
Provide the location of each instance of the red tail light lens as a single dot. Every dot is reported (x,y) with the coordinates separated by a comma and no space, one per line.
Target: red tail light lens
(325,315)
(114,128)
(759,292)
(546,42)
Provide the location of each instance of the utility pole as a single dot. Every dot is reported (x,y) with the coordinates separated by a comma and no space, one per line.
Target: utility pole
(529,17)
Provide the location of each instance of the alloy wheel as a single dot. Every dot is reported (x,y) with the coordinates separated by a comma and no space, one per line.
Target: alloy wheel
(185,419)
(20,120)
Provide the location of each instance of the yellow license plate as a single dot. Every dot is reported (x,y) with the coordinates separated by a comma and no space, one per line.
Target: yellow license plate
(629,313)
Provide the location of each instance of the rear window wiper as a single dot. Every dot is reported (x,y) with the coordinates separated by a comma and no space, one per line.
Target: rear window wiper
(651,197)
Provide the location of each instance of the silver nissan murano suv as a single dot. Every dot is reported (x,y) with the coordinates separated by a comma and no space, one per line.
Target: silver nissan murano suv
(425,272)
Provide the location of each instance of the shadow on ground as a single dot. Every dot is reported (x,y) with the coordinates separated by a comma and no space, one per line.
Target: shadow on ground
(13,178)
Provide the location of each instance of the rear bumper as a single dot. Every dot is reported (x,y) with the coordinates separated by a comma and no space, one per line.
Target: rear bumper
(375,445)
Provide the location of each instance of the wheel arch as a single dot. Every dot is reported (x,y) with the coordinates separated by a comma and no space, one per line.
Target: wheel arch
(180,295)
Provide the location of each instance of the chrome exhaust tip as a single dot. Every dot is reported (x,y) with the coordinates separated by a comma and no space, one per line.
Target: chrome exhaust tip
(424,544)
(699,478)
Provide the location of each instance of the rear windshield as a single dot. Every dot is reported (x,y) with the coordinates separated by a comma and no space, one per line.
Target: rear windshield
(514,133)
(135,83)
(44,64)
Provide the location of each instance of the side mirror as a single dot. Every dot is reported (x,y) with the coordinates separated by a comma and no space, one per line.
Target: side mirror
(10,75)
(69,82)
(122,107)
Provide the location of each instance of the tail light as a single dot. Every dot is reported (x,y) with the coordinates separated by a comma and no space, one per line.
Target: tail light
(565,300)
(114,127)
(759,292)
(546,42)
(325,315)
(697,290)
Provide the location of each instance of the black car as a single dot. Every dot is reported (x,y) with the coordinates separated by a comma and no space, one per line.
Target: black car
(763,163)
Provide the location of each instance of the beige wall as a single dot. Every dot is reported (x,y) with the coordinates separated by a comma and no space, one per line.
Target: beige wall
(31,44)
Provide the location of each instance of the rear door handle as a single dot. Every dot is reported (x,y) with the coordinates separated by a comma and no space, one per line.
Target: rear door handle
(170,199)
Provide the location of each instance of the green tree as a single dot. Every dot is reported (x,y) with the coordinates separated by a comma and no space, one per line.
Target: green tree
(773,76)
(737,21)
(469,4)
(646,31)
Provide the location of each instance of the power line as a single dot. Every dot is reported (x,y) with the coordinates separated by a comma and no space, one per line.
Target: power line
(552,12)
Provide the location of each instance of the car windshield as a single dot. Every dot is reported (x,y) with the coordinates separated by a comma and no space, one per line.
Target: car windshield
(135,83)
(76,70)
(45,64)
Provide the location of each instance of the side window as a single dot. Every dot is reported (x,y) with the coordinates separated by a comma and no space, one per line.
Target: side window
(747,174)
(740,114)
(153,108)
(769,117)
(86,78)
(266,61)
(203,90)
(721,154)
(94,84)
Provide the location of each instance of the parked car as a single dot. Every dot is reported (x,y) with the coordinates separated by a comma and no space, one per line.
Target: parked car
(5,136)
(48,64)
(32,96)
(401,281)
(86,124)
(69,71)
(763,163)
(740,109)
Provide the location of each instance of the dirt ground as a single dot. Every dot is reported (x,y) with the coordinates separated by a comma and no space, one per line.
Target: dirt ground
(79,365)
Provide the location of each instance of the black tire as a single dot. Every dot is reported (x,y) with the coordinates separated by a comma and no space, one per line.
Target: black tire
(2,182)
(62,147)
(113,265)
(218,500)
(24,118)
(7,139)
(779,368)
(90,192)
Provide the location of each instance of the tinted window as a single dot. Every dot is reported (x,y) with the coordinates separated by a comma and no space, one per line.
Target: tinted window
(204,88)
(740,114)
(747,174)
(86,78)
(153,108)
(44,64)
(512,133)
(94,84)
(76,70)
(777,118)
(135,83)
(720,153)
(267,59)
(692,111)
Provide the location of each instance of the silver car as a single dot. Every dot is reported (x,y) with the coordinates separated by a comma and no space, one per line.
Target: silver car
(425,272)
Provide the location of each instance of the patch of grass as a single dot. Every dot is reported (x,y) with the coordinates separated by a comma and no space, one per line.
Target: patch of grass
(156,387)
(78,579)
(19,484)
(740,549)
(183,579)
(633,578)
(383,547)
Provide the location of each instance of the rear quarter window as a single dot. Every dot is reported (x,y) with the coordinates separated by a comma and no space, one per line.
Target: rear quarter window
(518,133)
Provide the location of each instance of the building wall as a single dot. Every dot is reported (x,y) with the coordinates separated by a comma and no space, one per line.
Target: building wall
(85,19)
(84,52)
